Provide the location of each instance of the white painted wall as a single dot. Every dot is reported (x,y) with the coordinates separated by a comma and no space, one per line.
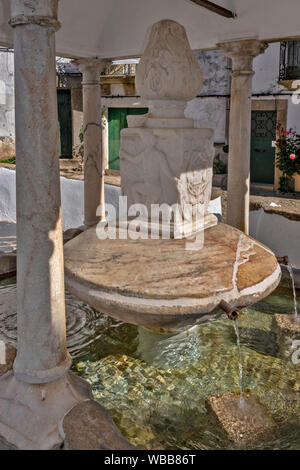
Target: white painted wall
(7,98)
(278,233)
(211,113)
(266,68)
(71,197)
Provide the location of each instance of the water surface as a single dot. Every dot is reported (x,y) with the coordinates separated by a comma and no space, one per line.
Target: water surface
(155,385)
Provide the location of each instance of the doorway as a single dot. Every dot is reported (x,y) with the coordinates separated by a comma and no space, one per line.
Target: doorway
(117,120)
(64,123)
(263,136)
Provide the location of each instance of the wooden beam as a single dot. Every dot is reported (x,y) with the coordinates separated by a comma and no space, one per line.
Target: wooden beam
(215,8)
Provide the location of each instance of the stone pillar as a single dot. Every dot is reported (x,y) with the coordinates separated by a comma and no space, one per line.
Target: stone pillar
(40,390)
(242,54)
(105,153)
(42,354)
(92,127)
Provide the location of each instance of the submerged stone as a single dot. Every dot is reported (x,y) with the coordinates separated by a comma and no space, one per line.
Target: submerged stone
(288,325)
(244,420)
(287,330)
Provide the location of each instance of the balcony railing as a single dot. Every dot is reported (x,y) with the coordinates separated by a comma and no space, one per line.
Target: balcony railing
(289,60)
(120,70)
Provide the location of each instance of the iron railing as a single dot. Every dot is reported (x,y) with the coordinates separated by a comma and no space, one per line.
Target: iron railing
(289,60)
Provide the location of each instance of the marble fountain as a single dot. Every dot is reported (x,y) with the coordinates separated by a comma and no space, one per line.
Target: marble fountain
(172,283)
(145,316)
(165,286)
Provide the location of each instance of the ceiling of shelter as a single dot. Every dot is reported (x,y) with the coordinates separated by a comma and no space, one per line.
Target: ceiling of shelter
(118,28)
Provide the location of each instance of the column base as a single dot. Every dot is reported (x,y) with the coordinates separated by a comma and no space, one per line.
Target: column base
(42,376)
(30,414)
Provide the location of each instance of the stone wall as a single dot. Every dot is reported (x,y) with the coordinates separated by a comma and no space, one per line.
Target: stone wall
(215,67)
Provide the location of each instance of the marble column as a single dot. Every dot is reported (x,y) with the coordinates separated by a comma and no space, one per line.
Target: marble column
(42,354)
(92,126)
(242,54)
(39,391)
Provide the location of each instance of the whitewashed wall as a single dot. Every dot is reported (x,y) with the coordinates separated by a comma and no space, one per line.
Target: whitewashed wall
(211,113)
(266,67)
(278,233)
(71,198)
(7,100)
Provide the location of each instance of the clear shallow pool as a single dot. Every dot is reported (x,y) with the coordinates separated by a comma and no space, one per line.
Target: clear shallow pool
(154,386)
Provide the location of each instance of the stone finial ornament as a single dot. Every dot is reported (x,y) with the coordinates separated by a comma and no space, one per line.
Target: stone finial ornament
(168,69)
(164,159)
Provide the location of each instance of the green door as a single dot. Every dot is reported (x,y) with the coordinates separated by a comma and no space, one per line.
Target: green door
(263,134)
(64,123)
(117,120)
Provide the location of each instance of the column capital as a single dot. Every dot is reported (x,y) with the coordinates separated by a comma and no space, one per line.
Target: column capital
(91,69)
(42,13)
(242,53)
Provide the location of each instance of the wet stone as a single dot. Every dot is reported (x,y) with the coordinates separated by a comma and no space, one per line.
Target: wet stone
(10,355)
(89,427)
(245,422)
(287,325)
(288,332)
(8,264)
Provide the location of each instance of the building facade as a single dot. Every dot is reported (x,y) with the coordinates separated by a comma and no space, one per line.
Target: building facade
(273,104)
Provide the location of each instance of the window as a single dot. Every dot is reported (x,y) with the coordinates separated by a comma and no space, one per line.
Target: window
(289,60)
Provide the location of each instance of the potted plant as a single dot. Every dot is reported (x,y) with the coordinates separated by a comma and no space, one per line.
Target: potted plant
(288,158)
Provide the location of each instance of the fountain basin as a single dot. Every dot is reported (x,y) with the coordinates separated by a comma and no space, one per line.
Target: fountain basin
(161,284)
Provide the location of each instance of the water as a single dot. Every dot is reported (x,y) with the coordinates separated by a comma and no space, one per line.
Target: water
(236,329)
(290,268)
(157,396)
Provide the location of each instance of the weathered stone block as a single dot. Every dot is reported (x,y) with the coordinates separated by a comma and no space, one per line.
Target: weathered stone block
(287,331)
(10,354)
(169,166)
(246,422)
(89,427)
(8,264)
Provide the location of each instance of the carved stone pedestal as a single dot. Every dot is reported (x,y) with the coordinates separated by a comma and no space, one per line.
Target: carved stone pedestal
(169,166)
(164,159)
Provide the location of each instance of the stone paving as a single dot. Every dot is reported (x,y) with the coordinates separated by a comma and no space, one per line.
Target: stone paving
(272,203)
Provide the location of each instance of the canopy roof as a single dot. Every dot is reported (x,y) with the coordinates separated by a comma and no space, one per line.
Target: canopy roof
(117,28)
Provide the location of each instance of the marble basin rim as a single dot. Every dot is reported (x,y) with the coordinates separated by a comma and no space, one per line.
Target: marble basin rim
(163,286)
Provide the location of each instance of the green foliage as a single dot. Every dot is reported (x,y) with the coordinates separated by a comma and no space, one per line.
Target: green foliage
(286,184)
(219,167)
(288,153)
(11,160)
